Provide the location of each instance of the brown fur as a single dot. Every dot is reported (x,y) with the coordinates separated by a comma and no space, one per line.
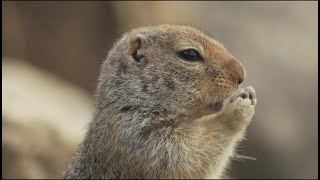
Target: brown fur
(154,114)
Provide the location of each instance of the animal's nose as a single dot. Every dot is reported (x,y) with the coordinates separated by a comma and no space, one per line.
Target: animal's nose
(240,80)
(240,73)
(237,71)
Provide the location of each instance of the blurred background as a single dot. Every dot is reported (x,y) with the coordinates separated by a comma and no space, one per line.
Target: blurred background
(52,51)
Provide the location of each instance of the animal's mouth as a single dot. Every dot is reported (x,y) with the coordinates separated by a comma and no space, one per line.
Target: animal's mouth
(212,107)
(216,104)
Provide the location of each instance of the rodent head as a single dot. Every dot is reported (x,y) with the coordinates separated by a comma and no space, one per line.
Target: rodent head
(178,68)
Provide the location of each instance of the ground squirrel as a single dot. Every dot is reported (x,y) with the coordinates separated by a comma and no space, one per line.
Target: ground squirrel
(167,107)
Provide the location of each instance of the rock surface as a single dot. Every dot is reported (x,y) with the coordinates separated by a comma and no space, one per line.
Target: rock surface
(43,121)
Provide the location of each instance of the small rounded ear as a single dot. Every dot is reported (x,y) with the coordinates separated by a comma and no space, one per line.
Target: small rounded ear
(134,49)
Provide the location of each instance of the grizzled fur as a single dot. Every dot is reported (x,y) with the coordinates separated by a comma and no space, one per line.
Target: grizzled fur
(155,115)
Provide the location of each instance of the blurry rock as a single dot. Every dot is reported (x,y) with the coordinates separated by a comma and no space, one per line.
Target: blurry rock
(43,121)
(33,150)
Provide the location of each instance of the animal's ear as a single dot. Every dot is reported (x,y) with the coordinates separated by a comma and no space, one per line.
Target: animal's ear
(135,50)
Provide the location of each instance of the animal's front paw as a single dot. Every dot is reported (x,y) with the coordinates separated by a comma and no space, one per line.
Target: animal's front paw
(247,93)
(239,108)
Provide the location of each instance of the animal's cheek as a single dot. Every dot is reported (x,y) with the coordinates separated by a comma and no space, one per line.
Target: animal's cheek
(207,88)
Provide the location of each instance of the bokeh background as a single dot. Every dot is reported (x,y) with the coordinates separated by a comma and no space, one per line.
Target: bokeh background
(52,51)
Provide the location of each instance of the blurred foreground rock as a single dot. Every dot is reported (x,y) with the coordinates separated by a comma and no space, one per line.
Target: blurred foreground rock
(43,120)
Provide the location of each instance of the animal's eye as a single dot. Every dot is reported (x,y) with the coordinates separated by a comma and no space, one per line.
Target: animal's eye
(190,55)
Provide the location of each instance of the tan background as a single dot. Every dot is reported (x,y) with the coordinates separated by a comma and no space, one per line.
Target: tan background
(51,57)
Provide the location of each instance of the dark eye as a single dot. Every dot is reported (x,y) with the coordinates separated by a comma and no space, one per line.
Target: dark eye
(190,55)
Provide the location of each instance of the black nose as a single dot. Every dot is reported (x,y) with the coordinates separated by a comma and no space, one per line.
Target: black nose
(240,80)
(237,71)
